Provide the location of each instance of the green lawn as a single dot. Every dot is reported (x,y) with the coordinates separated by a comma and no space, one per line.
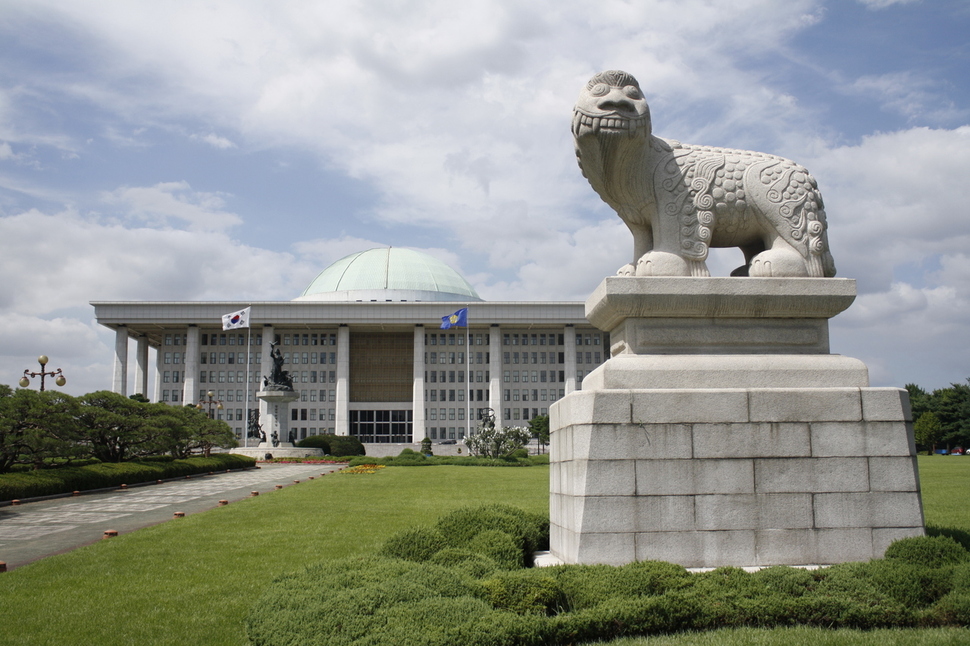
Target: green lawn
(192,581)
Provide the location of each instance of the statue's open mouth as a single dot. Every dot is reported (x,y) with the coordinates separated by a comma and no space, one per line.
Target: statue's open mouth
(608,122)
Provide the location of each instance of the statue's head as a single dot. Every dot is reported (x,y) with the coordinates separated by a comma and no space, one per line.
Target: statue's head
(611,104)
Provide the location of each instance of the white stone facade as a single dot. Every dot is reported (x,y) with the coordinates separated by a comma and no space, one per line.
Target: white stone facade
(515,357)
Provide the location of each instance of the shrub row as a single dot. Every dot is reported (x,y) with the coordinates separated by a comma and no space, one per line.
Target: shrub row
(411,458)
(48,482)
(344,445)
(454,583)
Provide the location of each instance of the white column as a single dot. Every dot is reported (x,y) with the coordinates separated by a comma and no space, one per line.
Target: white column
(190,384)
(570,343)
(141,365)
(343,381)
(265,361)
(119,383)
(157,397)
(419,428)
(495,368)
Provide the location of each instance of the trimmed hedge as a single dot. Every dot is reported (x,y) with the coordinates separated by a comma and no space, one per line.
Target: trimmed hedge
(463,595)
(342,445)
(48,482)
(411,458)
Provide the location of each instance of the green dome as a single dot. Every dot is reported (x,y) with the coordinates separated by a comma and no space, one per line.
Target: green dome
(389,274)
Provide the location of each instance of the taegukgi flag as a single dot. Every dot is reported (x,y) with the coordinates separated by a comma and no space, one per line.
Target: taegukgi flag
(236,320)
(458,319)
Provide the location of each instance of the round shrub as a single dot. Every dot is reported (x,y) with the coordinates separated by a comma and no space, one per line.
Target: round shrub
(525,592)
(315,442)
(339,602)
(465,561)
(416,544)
(929,551)
(498,546)
(338,445)
(789,581)
(462,525)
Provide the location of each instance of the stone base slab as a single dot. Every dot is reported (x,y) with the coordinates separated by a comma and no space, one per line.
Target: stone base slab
(665,371)
(681,315)
(741,476)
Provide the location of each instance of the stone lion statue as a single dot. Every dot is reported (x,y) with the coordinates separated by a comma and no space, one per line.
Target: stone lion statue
(680,200)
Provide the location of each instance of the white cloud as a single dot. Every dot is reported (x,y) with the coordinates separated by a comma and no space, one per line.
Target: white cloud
(158,205)
(455,117)
(882,4)
(214,140)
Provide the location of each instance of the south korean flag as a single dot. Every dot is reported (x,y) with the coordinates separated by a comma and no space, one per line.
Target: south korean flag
(236,320)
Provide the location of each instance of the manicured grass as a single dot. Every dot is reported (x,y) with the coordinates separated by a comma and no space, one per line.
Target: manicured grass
(800,636)
(945,480)
(192,581)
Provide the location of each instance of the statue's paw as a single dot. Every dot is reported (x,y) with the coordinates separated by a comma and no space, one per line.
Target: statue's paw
(627,270)
(661,263)
(778,263)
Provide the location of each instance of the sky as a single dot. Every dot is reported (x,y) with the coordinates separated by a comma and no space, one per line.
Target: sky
(232,150)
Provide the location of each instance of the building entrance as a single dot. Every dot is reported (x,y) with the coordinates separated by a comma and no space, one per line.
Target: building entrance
(382,426)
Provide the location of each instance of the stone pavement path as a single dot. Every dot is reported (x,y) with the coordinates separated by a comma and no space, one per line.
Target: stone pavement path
(34,530)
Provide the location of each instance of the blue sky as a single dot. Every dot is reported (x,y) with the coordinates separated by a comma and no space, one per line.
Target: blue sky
(225,150)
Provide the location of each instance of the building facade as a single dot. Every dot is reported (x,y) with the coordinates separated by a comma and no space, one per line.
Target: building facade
(366,352)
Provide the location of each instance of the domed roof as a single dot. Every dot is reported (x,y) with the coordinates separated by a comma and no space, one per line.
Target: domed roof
(389,274)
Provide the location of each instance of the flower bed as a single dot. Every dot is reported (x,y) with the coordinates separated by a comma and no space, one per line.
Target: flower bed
(364,468)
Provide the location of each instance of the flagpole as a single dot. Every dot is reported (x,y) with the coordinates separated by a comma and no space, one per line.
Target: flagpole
(249,359)
(468,363)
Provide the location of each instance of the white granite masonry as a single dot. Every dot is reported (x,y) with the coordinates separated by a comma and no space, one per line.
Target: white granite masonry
(724,457)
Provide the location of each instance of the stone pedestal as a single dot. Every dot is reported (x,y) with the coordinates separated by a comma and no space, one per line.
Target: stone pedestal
(277,417)
(721,432)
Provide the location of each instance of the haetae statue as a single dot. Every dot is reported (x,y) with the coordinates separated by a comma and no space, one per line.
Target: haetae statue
(679,200)
(278,379)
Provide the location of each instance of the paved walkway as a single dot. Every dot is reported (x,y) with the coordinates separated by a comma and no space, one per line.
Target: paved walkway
(34,530)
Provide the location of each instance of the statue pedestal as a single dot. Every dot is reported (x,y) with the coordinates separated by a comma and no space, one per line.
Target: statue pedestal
(277,417)
(722,432)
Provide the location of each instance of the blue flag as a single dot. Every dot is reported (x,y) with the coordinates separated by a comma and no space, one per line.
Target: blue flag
(458,319)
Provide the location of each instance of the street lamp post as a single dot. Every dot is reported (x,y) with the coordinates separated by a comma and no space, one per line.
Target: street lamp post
(42,360)
(208,403)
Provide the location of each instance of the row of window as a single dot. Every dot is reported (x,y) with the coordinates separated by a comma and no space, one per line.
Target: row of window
(534,338)
(314,338)
(524,414)
(435,414)
(225,339)
(445,432)
(311,414)
(308,338)
(535,394)
(456,376)
(533,357)
(474,395)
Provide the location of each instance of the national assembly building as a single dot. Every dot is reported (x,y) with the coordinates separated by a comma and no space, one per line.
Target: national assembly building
(365,348)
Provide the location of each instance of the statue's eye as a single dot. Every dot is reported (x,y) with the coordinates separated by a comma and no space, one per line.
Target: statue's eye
(633,92)
(600,89)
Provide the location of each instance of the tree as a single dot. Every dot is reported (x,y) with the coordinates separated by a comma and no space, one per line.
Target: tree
(36,427)
(539,427)
(928,430)
(116,428)
(492,442)
(952,407)
(919,400)
(204,433)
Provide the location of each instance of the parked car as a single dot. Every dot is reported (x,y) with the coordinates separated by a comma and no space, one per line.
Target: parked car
(957,450)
